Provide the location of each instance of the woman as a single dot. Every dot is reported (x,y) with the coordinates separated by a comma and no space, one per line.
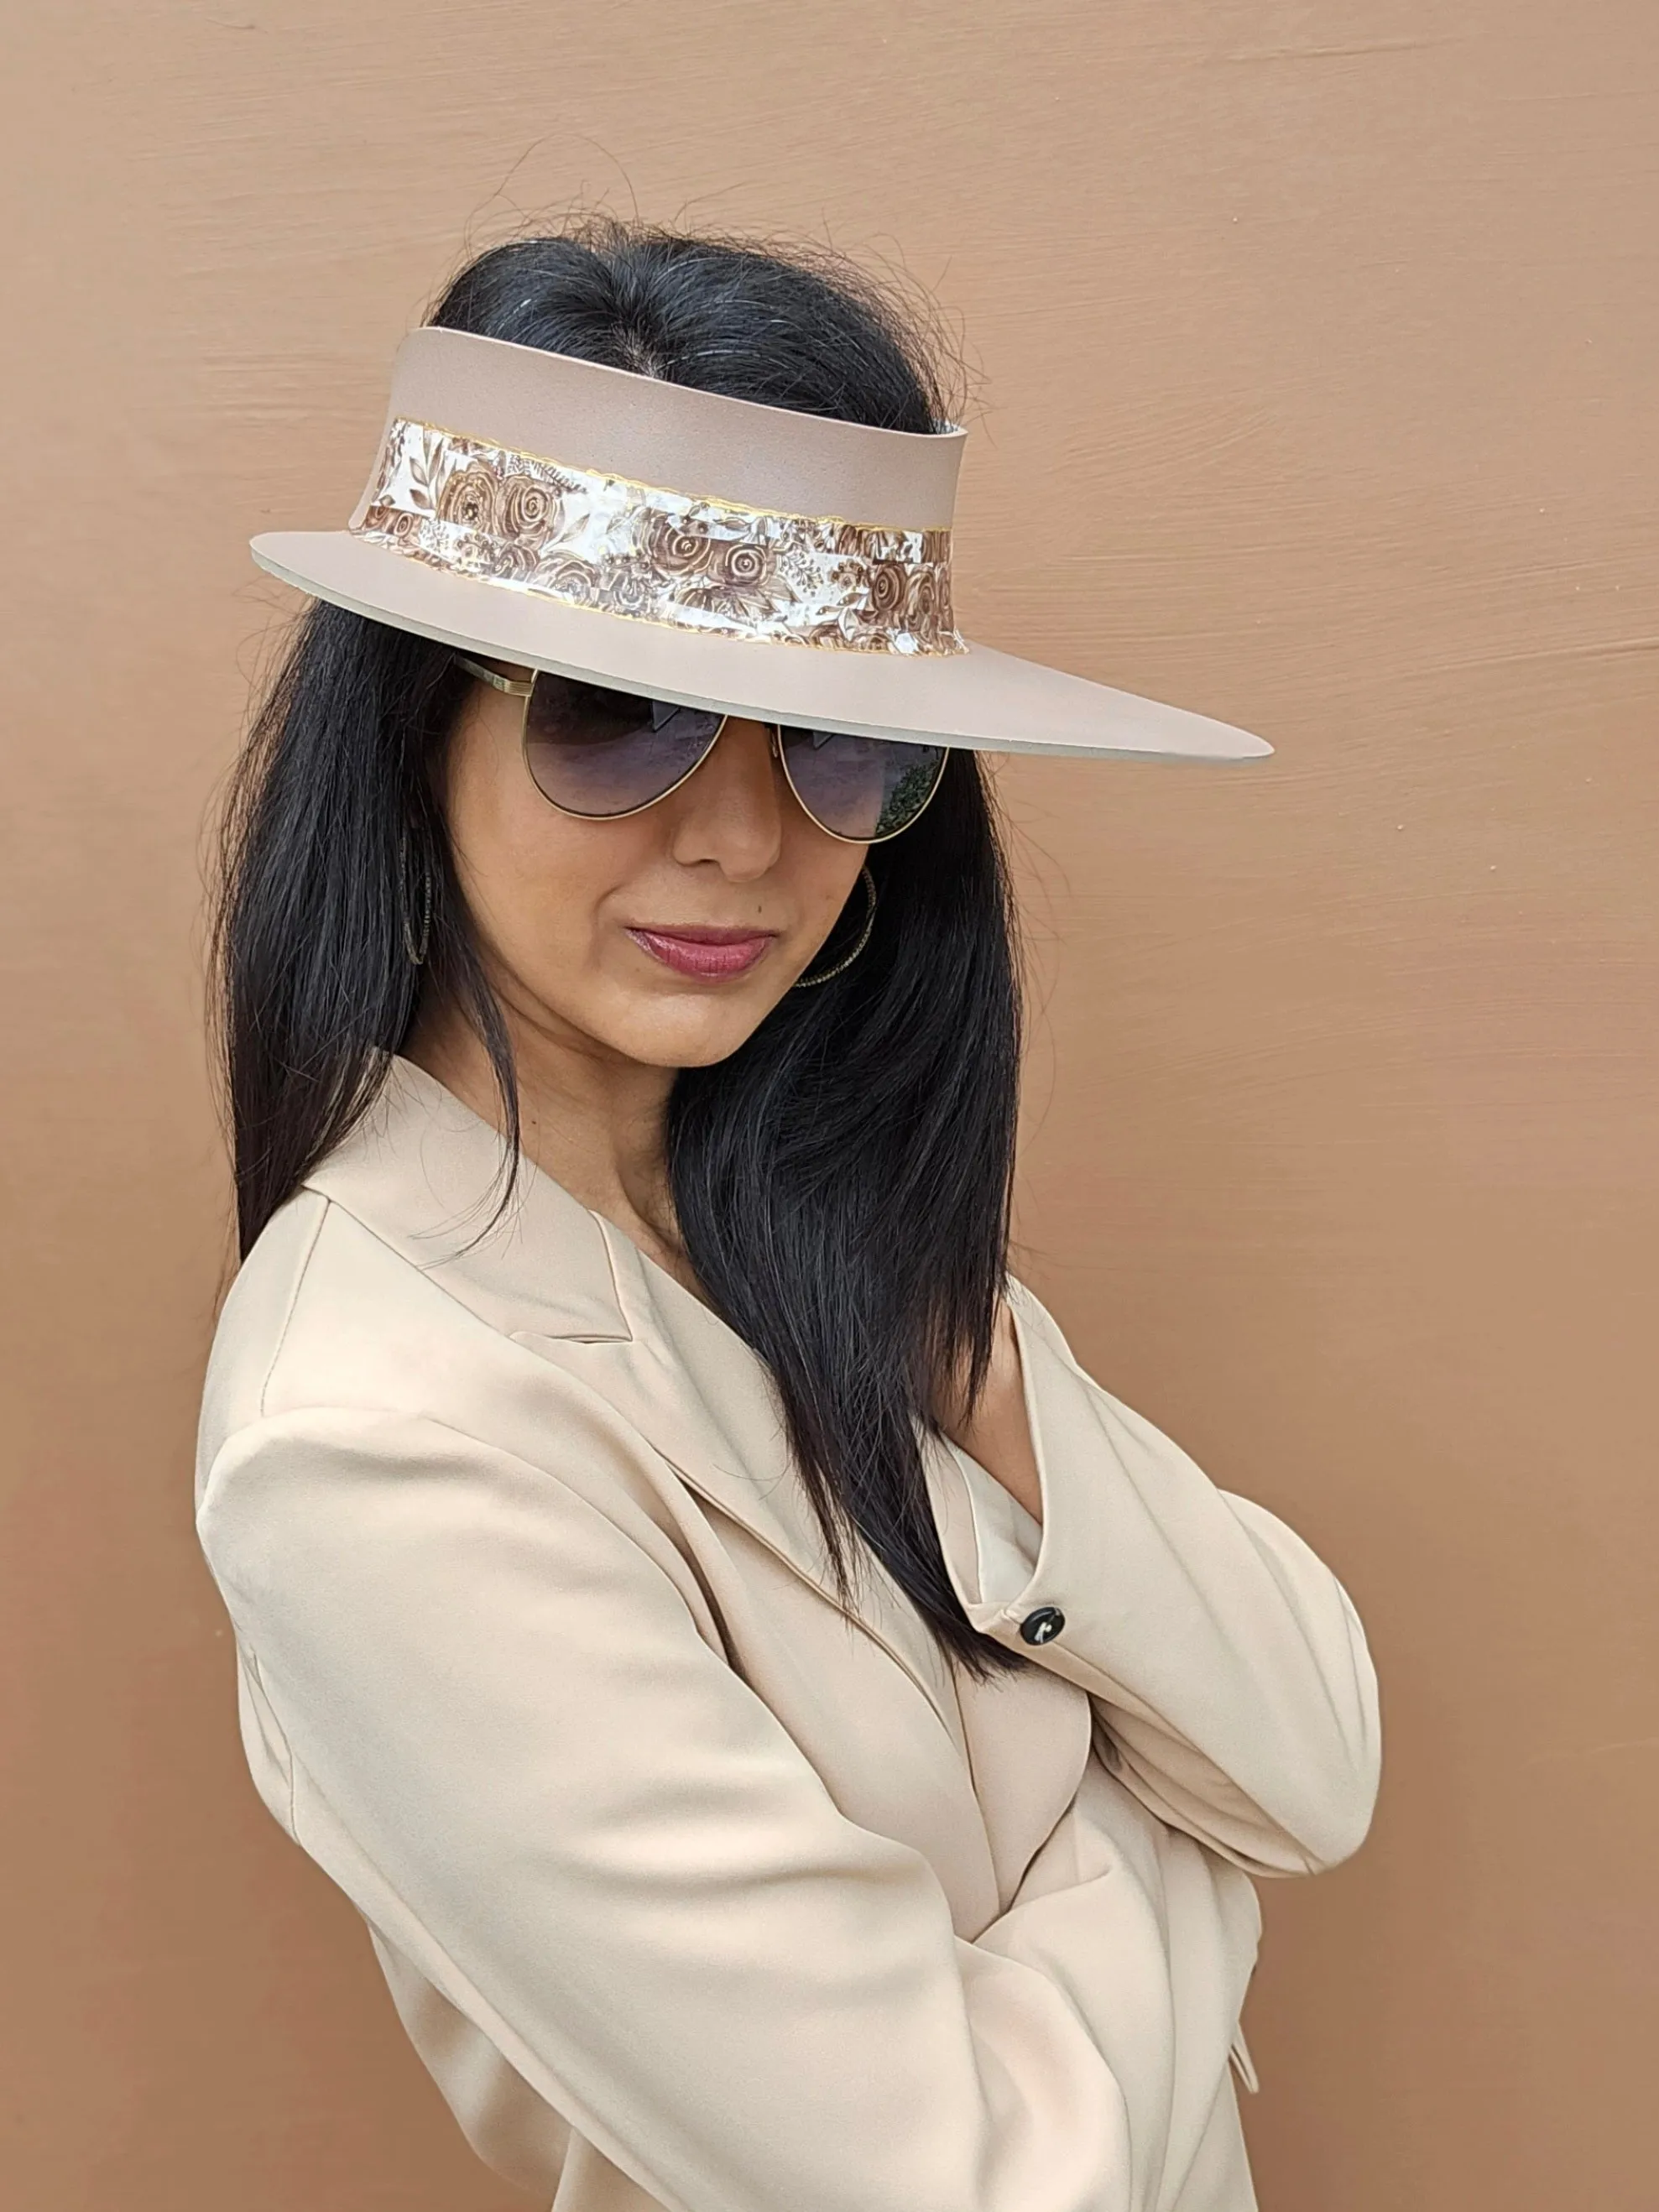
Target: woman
(798,1745)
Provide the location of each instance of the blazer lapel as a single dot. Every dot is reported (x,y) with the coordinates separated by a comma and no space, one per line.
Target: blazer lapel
(426,1175)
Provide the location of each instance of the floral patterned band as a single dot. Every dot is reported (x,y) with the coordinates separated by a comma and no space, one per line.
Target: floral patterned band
(593,540)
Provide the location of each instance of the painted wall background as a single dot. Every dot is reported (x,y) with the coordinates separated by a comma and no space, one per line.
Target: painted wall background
(1313,348)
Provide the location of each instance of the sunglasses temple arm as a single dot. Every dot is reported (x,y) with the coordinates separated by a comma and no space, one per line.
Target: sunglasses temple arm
(510,685)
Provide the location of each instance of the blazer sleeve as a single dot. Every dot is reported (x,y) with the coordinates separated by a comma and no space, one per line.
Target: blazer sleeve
(507,1736)
(1227,1664)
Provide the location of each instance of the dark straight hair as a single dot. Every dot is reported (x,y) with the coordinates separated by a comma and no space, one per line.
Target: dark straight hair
(841,1181)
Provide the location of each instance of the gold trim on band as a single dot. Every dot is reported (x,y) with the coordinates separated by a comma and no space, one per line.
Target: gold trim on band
(593,540)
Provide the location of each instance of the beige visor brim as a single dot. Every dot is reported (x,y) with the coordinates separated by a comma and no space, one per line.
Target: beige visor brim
(987,700)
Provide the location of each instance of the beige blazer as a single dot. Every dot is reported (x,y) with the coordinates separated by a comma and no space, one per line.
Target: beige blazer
(693,1889)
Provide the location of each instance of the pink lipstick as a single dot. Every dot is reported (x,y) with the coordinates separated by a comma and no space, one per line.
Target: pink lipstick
(709,953)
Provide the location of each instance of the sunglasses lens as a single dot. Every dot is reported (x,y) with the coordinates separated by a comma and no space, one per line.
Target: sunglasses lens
(599,752)
(861,788)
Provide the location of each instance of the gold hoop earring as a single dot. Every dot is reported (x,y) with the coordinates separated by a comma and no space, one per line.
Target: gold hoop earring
(809,982)
(417,953)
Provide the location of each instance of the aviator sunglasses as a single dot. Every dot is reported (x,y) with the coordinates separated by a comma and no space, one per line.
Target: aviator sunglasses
(601,754)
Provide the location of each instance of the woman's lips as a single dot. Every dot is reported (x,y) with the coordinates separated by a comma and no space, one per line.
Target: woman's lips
(709,953)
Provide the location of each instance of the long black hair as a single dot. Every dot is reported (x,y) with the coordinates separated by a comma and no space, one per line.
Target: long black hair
(841,1181)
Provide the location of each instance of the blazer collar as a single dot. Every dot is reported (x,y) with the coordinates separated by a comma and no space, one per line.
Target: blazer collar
(426,1175)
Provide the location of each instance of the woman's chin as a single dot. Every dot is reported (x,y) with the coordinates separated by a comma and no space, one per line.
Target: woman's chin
(696,1032)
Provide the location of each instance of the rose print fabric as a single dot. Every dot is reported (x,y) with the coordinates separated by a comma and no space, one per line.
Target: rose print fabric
(602,541)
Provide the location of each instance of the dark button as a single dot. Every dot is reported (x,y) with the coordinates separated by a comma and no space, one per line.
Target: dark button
(1042,1625)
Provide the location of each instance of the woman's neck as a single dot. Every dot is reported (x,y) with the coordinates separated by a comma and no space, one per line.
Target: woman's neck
(588,1117)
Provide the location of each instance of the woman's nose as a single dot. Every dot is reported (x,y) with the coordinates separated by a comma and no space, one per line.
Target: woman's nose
(731,810)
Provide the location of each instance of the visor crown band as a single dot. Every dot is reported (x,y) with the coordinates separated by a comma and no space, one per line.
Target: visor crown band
(592,539)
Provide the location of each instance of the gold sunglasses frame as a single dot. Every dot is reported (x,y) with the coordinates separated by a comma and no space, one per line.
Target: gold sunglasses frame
(515,688)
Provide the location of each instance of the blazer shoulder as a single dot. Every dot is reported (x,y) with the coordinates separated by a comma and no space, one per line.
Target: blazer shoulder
(253,1322)
(327,1314)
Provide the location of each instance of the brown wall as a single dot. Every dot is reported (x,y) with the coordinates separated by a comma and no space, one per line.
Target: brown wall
(1314,348)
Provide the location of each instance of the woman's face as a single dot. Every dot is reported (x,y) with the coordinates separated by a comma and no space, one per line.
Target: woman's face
(668,935)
